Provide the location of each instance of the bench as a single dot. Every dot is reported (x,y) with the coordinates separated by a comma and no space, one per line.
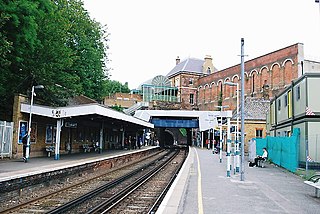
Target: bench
(86,147)
(49,150)
(316,186)
(261,163)
(314,181)
(96,147)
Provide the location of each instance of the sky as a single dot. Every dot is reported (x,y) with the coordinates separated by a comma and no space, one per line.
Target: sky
(146,36)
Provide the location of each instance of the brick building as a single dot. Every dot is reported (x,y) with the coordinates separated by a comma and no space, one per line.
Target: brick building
(265,77)
(125,100)
(185,77)
(274,71)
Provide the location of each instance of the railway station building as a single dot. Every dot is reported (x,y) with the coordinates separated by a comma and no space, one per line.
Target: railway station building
(75,128)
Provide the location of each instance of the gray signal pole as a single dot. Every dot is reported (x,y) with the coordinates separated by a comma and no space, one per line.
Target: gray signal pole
(242,112)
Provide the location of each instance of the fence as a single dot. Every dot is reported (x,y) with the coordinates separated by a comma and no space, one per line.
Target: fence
(6,134)
(283,151)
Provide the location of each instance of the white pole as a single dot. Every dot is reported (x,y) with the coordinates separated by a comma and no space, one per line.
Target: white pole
(202,140)
(208,146)
(237,134)
(234,154)
(212,141)
(242,111)
(58,139)
(220,139)
(29,124)
(228,148)
(102,137)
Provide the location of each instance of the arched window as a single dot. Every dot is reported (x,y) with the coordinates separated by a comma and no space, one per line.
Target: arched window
(253,85)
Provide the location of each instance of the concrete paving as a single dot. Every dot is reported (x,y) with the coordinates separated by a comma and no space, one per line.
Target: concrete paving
(264,190)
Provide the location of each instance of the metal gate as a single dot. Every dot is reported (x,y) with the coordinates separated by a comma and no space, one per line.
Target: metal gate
(6,134)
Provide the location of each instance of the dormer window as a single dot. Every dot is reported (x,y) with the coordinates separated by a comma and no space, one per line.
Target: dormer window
(208,70)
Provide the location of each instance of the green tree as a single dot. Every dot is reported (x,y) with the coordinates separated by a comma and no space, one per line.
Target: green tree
(18,29)
(87,41)
(112,86)
(53,43)
(117,108)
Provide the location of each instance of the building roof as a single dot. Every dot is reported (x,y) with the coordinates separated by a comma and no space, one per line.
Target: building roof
(79,100)
(187,65)
(254,109)
(83,110)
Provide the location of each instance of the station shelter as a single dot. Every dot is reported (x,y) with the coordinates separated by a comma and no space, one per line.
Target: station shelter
(72,129)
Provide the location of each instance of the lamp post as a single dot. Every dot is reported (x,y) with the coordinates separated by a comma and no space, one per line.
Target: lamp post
(237,126)
(242,111)
(220,143)
(30,115)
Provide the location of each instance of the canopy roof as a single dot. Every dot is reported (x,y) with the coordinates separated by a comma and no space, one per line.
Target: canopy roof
(82,110)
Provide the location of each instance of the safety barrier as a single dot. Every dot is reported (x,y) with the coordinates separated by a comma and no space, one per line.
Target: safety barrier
(283,151)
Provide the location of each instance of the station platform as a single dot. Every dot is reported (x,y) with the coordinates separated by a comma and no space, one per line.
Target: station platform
(16,168)
(202,186)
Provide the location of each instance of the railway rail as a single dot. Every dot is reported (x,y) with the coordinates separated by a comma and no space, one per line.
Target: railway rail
(146,194)
(84,197)
(17,202)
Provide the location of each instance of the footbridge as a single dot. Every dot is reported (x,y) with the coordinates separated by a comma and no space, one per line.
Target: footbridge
(195,122)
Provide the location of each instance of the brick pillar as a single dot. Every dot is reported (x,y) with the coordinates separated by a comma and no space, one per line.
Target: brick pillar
(16,117)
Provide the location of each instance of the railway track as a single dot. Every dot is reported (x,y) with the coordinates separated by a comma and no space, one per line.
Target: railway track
(143,194)
(137,188)
(146,194)
(45,202)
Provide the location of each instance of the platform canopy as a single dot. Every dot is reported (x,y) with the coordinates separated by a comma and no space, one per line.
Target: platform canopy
(83,110)
(207,119)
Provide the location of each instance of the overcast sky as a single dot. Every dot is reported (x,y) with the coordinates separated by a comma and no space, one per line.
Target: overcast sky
(148,35)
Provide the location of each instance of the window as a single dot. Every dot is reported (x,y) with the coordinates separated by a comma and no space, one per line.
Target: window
(289,104)
(177,82)
(259,133)
(279,105)
(208,70)
(191,81)
(285,100)
(253,83)
(191,99)
(298,92)
(287,133)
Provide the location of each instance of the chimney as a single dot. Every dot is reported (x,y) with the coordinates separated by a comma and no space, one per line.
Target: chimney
(207,65)
(177,60)
(208,58)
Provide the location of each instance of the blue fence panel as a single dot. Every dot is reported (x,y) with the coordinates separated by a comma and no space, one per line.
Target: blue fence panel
(282,151)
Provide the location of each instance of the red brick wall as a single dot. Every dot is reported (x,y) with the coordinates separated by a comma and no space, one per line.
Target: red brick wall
(186,89)
(278,68)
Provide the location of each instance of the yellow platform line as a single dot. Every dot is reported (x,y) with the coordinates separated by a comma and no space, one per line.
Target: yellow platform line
(200,205)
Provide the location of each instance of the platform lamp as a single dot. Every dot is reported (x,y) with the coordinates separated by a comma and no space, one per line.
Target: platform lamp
(220,140)
(237,129)
(242,111)
(29,128)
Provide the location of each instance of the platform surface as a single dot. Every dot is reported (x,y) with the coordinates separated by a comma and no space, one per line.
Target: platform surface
(16,168)
(203,187)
